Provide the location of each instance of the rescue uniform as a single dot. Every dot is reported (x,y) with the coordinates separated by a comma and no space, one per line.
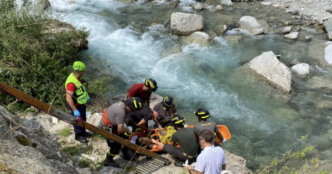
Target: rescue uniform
(113,116)
(164,114)
(135,117)
(80,98)
(137,91)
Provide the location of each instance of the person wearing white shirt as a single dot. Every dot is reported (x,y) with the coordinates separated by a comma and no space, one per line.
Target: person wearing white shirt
(212,159)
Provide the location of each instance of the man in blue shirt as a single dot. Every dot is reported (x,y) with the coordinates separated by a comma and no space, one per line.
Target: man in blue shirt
(212,159)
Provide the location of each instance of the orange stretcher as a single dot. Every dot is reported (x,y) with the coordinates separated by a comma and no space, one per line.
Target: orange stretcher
(222,129)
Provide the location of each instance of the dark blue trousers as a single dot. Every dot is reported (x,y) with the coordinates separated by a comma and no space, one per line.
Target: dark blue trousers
(82,109)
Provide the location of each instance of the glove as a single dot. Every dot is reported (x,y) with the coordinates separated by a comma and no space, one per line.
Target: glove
(89,100)
(77,113)
(159,126)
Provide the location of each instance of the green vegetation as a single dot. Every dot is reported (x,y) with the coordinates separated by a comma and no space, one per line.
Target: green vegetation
(84,163)
(77,150)
(295,162)
(34,35)
(65,132)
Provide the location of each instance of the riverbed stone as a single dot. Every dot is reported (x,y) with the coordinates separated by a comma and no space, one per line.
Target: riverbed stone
(301,69)
(198,7)
(198,37)
(319,82)
(268,67)
(218,8)
(292,35)
(220,29)
(283,30)
(307,38)
(323,104)
(174,49)
(264,25)
(227,2)
(186,23)
(250,24)
(328,27)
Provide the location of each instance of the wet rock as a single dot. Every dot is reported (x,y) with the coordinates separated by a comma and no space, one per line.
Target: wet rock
(295,12)
(323,104)
(283,30)
(288,23)
(220,29)
(212,34)
(301,69)
(297,28)
(292,35)
(197,7)
(250,24)
(268,67)
(328,27)
(227,2)
(264,25)
(43,4)
(174,49)
(294,62)
(218,8)
(329,10)
(328,53)
(307,38)
(276,5)
(319,82)
(185,23)
(198,37)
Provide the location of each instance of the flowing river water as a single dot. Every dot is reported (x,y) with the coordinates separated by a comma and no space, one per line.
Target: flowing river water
(264,123)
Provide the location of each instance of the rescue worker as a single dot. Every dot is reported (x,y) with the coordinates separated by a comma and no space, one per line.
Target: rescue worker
(77,96)
(140,119)
(162,111)
(202,115)
(185,137)
(113,121)
(143,90)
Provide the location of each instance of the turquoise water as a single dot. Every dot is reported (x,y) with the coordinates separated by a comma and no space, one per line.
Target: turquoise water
(263,123)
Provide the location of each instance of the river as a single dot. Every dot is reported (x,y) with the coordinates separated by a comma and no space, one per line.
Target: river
(264,123)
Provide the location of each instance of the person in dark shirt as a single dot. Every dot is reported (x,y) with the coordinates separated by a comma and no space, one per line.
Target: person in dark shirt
(162,111)
(140,119)
(185,137)
(143,90)
(202,115)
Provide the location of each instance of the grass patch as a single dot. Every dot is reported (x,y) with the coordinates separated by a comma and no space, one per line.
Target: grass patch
(97,137)
(65,132)
(77,150)
(99,166)
(84,163)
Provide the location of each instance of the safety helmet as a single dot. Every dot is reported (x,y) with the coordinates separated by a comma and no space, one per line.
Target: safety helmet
(178,120)
(79,66)
(134,103)
(202,113)
(151,84)
(168,101)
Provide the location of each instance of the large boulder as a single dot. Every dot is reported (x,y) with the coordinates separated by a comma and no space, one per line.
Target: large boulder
(198,37)
(328,28)
(185,23)
(250,24)
(272,70)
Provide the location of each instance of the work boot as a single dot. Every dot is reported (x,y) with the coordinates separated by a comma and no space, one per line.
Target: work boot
(126,154)
(110,162)
(79,137)
(178,163)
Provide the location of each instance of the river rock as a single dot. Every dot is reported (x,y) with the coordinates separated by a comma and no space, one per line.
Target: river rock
(264,25)
(218,8)
(56,27)
(43,4)
(292,35)
(185,23)
(250,24)
(197,7)
(283,30)
(328,52)
(301,69)
(198,37)
(174,49)
(328,28)
(227,2)
(272,70)
(323,104)
(307,38)
(220,29)
(319,82)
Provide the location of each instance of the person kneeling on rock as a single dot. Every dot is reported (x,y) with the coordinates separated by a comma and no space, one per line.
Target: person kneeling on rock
(113,120)
(185,137)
